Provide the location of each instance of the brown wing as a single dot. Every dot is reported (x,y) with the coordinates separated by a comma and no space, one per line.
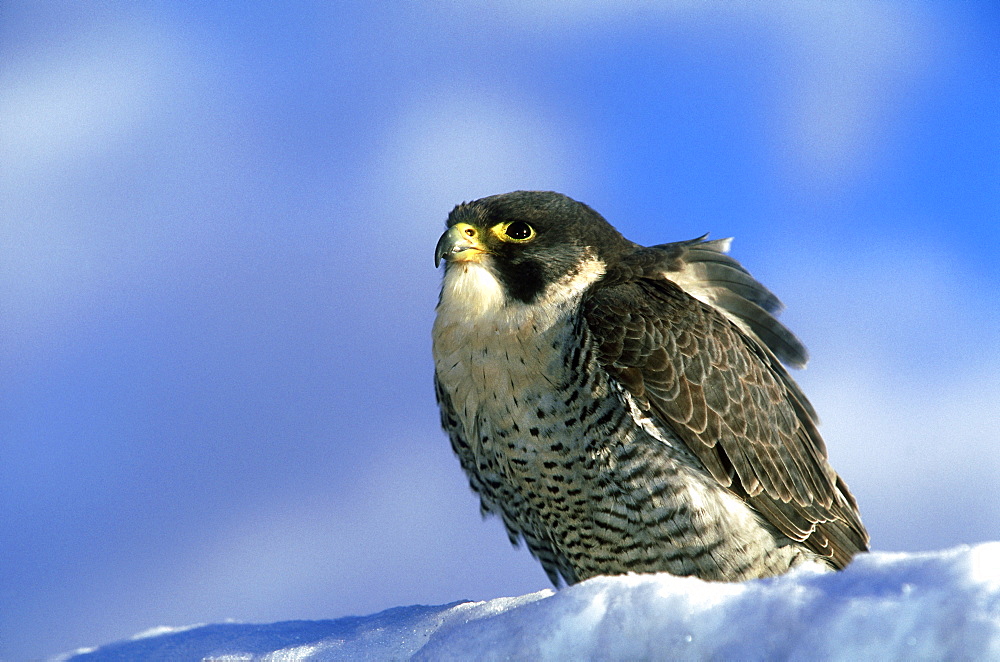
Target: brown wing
(706,373)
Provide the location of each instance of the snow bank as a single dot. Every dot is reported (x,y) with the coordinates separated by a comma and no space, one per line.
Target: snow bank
(943,605)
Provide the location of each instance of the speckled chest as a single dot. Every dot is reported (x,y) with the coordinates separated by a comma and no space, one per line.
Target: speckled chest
(505,381)
(516,375)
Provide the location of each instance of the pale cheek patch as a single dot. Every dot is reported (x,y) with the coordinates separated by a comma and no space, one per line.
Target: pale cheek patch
(570,287)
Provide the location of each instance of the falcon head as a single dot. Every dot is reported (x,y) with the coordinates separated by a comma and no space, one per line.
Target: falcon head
(540,249)
(529,242)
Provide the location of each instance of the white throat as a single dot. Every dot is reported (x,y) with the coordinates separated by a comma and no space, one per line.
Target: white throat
(469,292)
(489,349)
(471,296)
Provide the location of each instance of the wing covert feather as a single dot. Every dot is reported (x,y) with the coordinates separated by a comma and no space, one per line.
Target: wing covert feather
(726,395)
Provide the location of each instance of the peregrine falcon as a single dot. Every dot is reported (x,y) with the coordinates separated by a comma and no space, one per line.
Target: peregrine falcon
(624,408)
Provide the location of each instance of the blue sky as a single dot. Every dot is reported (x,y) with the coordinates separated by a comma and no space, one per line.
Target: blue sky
(217,284)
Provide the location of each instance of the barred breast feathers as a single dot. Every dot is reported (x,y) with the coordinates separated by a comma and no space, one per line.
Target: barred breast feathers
(488,349)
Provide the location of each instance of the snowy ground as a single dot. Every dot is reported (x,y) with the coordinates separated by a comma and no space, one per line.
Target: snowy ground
(930,606)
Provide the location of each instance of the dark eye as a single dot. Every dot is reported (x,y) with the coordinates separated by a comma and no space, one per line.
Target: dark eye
(519,231)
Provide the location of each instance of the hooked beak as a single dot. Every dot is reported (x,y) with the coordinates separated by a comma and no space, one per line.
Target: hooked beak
(459,243)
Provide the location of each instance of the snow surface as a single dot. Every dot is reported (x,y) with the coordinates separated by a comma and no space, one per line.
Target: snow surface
(924,606)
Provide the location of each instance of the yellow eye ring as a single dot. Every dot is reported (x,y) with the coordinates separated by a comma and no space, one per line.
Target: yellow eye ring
(516,231)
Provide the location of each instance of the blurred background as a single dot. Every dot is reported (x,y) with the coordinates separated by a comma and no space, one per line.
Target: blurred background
(217,224)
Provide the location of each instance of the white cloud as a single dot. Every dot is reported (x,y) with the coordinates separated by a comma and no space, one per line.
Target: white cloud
(67,104)
(905,379)
(460,143)
(838,69)
(922,458)
(407,518)
(849,66)
(64,114)
(98,135)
